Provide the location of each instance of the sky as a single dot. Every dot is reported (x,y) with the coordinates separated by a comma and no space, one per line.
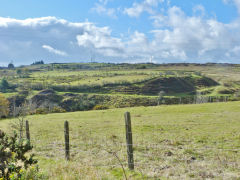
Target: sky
(133,31)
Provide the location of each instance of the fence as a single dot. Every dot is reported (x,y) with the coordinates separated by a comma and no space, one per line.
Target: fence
(154,149)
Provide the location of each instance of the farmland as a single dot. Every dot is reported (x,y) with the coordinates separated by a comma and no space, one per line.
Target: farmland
(120,90)
(176,133)
(176,142)
(142,84)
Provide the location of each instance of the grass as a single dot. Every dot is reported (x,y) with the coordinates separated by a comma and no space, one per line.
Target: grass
(7,95)
(170,142)
(96,74)
(88,77)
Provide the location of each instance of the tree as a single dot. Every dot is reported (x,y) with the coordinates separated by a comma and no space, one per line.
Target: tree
(38,62)
(19,71)
(4,85)
(4,106)
(20,112)
(10,66)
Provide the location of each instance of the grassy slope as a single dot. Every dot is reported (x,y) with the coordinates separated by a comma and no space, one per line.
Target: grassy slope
(179,142)
(99,74)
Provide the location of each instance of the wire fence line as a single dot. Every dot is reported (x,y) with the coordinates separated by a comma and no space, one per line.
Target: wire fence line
(153,146)
(148,150)
(166,124)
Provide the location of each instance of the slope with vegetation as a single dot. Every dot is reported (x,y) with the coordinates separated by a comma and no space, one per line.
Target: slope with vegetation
(87,86)
(175,142)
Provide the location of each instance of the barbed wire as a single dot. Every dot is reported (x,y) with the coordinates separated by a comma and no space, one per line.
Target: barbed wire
(150,146)
(136,124)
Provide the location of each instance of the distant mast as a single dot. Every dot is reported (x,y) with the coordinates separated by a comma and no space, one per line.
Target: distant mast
(92,56)
(151,59)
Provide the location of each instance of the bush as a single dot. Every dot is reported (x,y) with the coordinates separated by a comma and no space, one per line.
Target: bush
(100,107)
(14,161)
(57,109)
(14,103)
(223,90)
(4,85)
(4,106)
(79,103)
(42,111)
(141,66)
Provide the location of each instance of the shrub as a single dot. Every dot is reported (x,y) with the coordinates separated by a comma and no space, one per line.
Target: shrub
(141,66)
(57,109)
(19,71)
(79,103)
(42,111)
(224,90)
(14,161)
(24,93)
(4,85)
(15,102)
(100,107)
(4,106)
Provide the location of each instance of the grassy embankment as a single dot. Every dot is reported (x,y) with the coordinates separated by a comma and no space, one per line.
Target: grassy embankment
(176,142)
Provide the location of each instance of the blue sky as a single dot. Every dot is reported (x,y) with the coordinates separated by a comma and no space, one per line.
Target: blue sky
(119,31)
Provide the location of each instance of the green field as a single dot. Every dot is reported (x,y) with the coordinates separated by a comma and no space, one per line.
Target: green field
(91,86)
(125,78)
(170,142)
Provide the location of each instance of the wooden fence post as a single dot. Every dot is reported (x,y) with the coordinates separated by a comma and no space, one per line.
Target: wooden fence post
(129,140)
(27,131)
(66,134)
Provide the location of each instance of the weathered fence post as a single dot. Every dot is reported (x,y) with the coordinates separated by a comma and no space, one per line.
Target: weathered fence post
(66,134)
(27,131)
(129,140)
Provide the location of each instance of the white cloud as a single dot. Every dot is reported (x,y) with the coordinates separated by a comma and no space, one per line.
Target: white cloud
(176,37)
(102,42)
(195,37)
(138,44)
(199,10)
(236,2)
(105,2)
(55,51)
(233,52)
(101,8)
(26,39)
(145,6)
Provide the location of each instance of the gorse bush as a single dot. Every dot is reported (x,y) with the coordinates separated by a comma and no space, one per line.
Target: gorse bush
(15,160)
(55,109)
(42,111)
(4,106)
(100,107)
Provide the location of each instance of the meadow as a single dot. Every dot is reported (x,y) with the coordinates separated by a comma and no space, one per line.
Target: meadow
(111,78)
(200,141)
(174,80)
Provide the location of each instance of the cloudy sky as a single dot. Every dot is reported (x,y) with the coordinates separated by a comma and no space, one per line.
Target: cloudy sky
(132,31)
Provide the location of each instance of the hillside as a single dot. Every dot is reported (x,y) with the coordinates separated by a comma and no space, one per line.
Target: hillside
(176,142)
(145,79)
(103,86)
